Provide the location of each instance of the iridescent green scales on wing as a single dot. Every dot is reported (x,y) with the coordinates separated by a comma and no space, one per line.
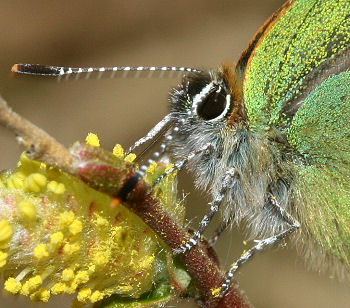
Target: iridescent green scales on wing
(320,131)
(306,35)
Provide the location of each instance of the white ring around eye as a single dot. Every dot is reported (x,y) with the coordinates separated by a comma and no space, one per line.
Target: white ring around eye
(203,94)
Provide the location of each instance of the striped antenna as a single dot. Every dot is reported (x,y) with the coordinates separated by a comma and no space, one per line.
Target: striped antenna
(49,70)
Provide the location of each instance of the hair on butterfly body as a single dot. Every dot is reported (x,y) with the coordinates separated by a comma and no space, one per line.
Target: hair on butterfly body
(252,156)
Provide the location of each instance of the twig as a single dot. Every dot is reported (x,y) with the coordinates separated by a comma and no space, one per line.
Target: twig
(198,261)
(41,145)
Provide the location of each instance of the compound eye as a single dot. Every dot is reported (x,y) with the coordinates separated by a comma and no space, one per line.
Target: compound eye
(213,105)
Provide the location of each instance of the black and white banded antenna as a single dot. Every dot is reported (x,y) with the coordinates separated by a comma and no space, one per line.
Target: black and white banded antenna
(57,71)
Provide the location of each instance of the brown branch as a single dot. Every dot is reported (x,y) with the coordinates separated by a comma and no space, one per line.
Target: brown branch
(198,261)
(41,145)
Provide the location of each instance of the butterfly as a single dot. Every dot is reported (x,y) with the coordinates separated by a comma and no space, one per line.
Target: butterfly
(269,137)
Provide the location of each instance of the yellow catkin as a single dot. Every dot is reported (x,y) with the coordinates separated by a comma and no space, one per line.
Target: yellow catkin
(3,258)
(169,167)
(62,250)
(12,286)
(130,157)
(101,258)
(66,218)
(31,284)
(5,233)
(124,289)
(35,182)
(81,277)
(27,210)
(55,187)
(92,140)
(70,249)
(43,166)
(71,288)
(56,238)
(58,288)
(67,274)
(42,295)
(152,168)
(16,181)
(145,263)
(118,151)
(101,222)
(84,294)
(40,252)
(96,296)
(75,227)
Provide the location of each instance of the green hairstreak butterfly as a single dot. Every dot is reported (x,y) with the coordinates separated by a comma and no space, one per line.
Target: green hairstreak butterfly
(269,138)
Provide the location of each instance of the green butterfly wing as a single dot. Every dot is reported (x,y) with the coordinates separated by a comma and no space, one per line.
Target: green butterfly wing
(295,48)
(320,131)
(296,79)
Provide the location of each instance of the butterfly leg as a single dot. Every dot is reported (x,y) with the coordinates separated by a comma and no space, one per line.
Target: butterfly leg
(182,163)
(262,244)
(214,207)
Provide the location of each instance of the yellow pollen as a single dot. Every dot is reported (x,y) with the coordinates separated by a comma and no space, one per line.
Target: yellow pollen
(152,168)
(5,233)
(125,289)
(67,274)
(118,151)
(70,249)
(101,222)
(92,140)
(145,263)
(58,288)
(30,285)
(84,294)
(130,157)
(216,292)
(169,167)
(101,258)
(27,210)
(16,181)
(35,182)
(81,277)
(3,258)
(42,295)
(56,238)
(75,227)
(12,286)
(43,166)
(96,296)
(72,288)
(66,218)
(55,187)
(40,251)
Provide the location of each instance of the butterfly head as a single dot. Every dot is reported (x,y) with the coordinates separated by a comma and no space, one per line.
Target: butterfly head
(205,106)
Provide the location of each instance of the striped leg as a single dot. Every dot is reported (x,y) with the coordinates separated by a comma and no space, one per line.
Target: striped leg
(214,207)
(180,164)
(262,244)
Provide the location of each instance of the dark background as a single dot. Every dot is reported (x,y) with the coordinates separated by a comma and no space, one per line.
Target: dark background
(197,33)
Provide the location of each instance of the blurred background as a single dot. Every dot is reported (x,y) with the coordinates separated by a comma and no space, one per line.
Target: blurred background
(195,33)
